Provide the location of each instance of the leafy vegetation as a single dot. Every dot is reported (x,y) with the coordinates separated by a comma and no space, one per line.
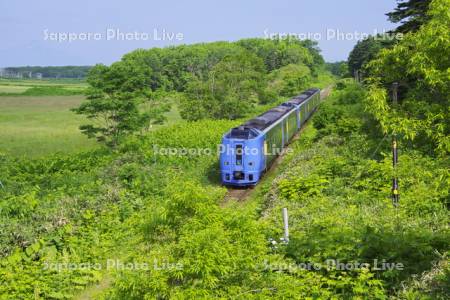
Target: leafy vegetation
(232,88)
(115,96)
(70,209)
(336,186)
(339,68)
(51,91)
(420,65)
(138,205)
(366,50)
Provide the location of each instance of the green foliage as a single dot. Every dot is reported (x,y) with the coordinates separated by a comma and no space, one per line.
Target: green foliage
(232,88)
(289,80)
(340,119)
(141,205)
(337,196)
(302,187)
(114,98)
(40,91)
(217,80)
(83,208)
(279,53)
(339,68)
(366,50)
(420,64)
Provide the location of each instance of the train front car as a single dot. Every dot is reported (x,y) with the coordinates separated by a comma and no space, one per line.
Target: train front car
(248,151)
(242,157)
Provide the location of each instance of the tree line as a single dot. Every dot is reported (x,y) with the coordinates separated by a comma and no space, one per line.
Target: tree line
(220,80)
(51,71)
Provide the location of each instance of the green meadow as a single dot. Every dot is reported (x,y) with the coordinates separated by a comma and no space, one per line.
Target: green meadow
(35,126)
(36,120)
(45,87)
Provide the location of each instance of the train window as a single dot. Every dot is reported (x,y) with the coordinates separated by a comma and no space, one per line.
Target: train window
(227,176)
(250,177)
(238,155)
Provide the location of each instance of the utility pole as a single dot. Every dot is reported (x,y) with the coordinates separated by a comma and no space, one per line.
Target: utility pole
(357,75)
(395,194)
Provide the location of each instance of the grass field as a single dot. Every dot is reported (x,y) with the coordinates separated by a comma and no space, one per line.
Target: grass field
(24,86)
(36,126)
(48,82)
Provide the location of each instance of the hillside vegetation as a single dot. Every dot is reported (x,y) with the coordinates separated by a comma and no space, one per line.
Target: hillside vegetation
(138,205)
(144,222)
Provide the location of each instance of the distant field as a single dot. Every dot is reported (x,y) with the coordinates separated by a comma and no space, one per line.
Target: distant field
(36,126)
(34,82)
(35,87)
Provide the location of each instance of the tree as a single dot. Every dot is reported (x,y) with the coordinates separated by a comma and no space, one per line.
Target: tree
(339,68)
(52,71)
(214,80)
(289,80)
(278,53)
(411,14)
(314,50)
(120,102)
(233,86)
(366,50)
(420,64)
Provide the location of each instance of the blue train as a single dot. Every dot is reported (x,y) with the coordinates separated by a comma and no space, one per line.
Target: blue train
(248,150)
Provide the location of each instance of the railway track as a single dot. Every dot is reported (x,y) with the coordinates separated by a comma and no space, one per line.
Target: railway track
(325,92)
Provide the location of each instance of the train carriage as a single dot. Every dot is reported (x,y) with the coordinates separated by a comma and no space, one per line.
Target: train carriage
(248,150)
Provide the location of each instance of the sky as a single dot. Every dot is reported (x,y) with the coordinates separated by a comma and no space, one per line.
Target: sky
(82,32)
